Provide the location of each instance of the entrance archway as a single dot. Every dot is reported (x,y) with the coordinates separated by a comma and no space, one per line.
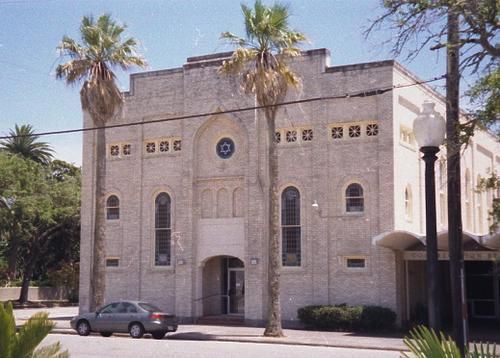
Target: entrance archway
(223,286)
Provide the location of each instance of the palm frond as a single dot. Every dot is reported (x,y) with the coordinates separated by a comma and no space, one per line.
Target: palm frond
(31,334)
(7,329)
(425,343)
(233,39)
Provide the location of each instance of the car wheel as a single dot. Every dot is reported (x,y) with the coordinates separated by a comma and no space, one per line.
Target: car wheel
(106,334)
(158,334)
(83,328)
(136,330)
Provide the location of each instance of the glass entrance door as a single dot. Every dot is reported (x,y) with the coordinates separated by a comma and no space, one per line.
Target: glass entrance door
(236,291)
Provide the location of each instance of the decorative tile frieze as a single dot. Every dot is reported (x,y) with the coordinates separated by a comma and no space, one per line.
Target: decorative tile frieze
(160,146)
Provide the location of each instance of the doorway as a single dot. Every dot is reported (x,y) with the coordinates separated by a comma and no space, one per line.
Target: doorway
(236,291)
(223,287)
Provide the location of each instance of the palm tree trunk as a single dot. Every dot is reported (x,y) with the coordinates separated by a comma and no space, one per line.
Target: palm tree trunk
(273,327)
(98,279)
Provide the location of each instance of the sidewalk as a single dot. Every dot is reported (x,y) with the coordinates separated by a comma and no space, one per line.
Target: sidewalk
(62,315)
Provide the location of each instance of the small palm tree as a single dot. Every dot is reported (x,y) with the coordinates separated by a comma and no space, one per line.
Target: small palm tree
(25,143)
(260,60)
(424,342)
(31,334)
(92,62)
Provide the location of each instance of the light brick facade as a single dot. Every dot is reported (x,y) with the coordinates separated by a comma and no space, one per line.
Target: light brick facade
(218,206)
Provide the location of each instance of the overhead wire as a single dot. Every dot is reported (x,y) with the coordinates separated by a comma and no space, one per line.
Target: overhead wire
(358,94)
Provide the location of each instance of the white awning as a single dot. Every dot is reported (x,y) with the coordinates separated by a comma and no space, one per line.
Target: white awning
(397,240)
(401,240)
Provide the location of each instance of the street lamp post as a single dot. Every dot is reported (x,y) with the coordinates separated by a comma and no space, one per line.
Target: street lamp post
(429,128)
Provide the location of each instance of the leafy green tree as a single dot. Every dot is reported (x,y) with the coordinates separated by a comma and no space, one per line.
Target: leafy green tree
(492,182)
(41,206)
(260,60)
(23,343)
(91,62)
(25,143)
(485,97)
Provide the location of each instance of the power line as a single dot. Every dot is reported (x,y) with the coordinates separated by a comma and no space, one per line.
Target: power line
(365,93)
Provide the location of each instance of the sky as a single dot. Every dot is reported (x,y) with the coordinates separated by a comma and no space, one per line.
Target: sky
(169,31)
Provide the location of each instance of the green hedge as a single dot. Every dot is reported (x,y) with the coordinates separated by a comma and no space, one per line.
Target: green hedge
(347,318)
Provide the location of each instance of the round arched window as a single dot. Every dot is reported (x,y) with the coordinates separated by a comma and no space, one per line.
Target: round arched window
(225,148)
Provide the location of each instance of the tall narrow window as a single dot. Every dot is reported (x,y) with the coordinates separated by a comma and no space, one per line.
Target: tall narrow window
(354,201)
(113,208)
(162,230)
(468,201)
(408,203)
(290,227)
(479,208)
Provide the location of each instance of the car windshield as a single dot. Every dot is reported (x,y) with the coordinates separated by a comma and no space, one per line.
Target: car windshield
(149,307)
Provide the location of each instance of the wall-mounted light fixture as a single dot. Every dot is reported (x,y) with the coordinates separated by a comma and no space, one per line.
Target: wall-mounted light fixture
(254,261)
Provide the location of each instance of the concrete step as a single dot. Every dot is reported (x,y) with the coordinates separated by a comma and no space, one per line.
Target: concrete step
(222,320)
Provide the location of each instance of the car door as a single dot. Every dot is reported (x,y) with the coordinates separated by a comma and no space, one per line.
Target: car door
(105,317)
(129,314)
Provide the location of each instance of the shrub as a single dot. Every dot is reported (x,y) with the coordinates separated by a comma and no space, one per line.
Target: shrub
(376,318)
(347,318)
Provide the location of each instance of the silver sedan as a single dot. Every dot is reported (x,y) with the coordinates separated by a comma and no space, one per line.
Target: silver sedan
(133,317)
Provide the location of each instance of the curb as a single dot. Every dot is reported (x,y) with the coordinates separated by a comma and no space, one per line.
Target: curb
(194,337)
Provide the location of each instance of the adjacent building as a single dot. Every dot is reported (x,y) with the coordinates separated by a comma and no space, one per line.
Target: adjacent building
(186,215)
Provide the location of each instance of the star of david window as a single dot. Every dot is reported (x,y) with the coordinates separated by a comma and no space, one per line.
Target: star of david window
(225,148)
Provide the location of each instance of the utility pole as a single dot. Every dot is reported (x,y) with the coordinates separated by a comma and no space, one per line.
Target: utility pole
(459,308)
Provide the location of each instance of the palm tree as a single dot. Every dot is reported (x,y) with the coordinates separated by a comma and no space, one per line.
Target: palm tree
(260,60)
(92,62)
(25,143)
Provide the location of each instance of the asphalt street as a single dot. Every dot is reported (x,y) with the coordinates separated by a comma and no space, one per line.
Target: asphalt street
(125,347)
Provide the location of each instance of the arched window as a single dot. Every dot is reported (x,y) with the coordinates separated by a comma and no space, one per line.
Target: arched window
(290,227)
(408,203)
(112,208)
(162,230)
(354,201)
